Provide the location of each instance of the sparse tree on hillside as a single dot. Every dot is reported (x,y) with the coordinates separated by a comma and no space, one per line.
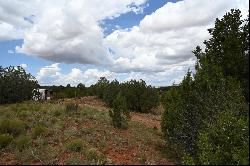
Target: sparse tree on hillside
(119,113)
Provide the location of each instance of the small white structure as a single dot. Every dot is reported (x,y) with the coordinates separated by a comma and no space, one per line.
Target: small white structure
(42,94)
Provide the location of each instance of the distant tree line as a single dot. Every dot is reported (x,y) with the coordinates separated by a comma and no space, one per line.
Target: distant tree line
(17,85)
(139,97)
(206,118)
(68,91)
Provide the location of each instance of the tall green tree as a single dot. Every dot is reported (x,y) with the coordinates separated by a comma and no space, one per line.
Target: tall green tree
(16,85)
(206,117)
(227,51)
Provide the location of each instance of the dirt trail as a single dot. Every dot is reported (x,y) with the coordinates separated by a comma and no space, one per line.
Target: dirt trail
(93,101)
(117,150)
(126,155)
(150,120)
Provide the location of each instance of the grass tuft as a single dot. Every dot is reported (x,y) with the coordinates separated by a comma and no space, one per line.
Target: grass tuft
(5,140)
(74,146)
(13,127)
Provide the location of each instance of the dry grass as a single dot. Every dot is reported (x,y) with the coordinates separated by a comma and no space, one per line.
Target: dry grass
(100,142)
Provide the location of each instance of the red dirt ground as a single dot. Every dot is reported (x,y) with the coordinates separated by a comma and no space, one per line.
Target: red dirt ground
(126,155)
(123,156)
(93,101)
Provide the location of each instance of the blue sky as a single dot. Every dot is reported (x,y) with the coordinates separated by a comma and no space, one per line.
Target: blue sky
(130,19)
(70,42)
(126,20)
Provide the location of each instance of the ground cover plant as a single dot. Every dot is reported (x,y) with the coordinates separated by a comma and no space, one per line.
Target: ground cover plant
(85,136)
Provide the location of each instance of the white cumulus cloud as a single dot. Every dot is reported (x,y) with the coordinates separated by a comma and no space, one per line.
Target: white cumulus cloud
(165,39)
(53,75)
(158,50)
(187,13)
(62,30)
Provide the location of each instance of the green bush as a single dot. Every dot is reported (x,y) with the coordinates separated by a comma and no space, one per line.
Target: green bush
(149,99)
(5,140)
(187,160)
(109,94)
(13,127)
(188,110)
(119,113)
(226,141)
(57,113)
(39,130)
(139,97)
(181,119)
(206,116)
(15,84)
(75,146)
(92,154)
(22,142)
(95,157)
(71,107)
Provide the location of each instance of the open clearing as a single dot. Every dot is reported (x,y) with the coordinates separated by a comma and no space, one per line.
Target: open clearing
(85,136)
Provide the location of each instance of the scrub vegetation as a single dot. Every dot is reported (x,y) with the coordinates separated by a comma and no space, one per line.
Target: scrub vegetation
(202,120)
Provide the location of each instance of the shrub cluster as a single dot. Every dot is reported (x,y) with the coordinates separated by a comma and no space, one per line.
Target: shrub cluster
(206,117)
(139,96)
(9,129)
(119,113)
(75,146)
(39,130)
(5,140)
(95,157)
(15,85)
(68,91)
(71,107)
(13,127)
(124,97)
(22,142)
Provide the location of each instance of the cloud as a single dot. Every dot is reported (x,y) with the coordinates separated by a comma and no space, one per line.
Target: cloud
(88,77)
(9,32)
(63,36)
(49,74)
(154,52)
(167,37)
(23,65)
(11,52)
(12,14)
(52,75)
(158,50)
(62,31)
(183,14)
